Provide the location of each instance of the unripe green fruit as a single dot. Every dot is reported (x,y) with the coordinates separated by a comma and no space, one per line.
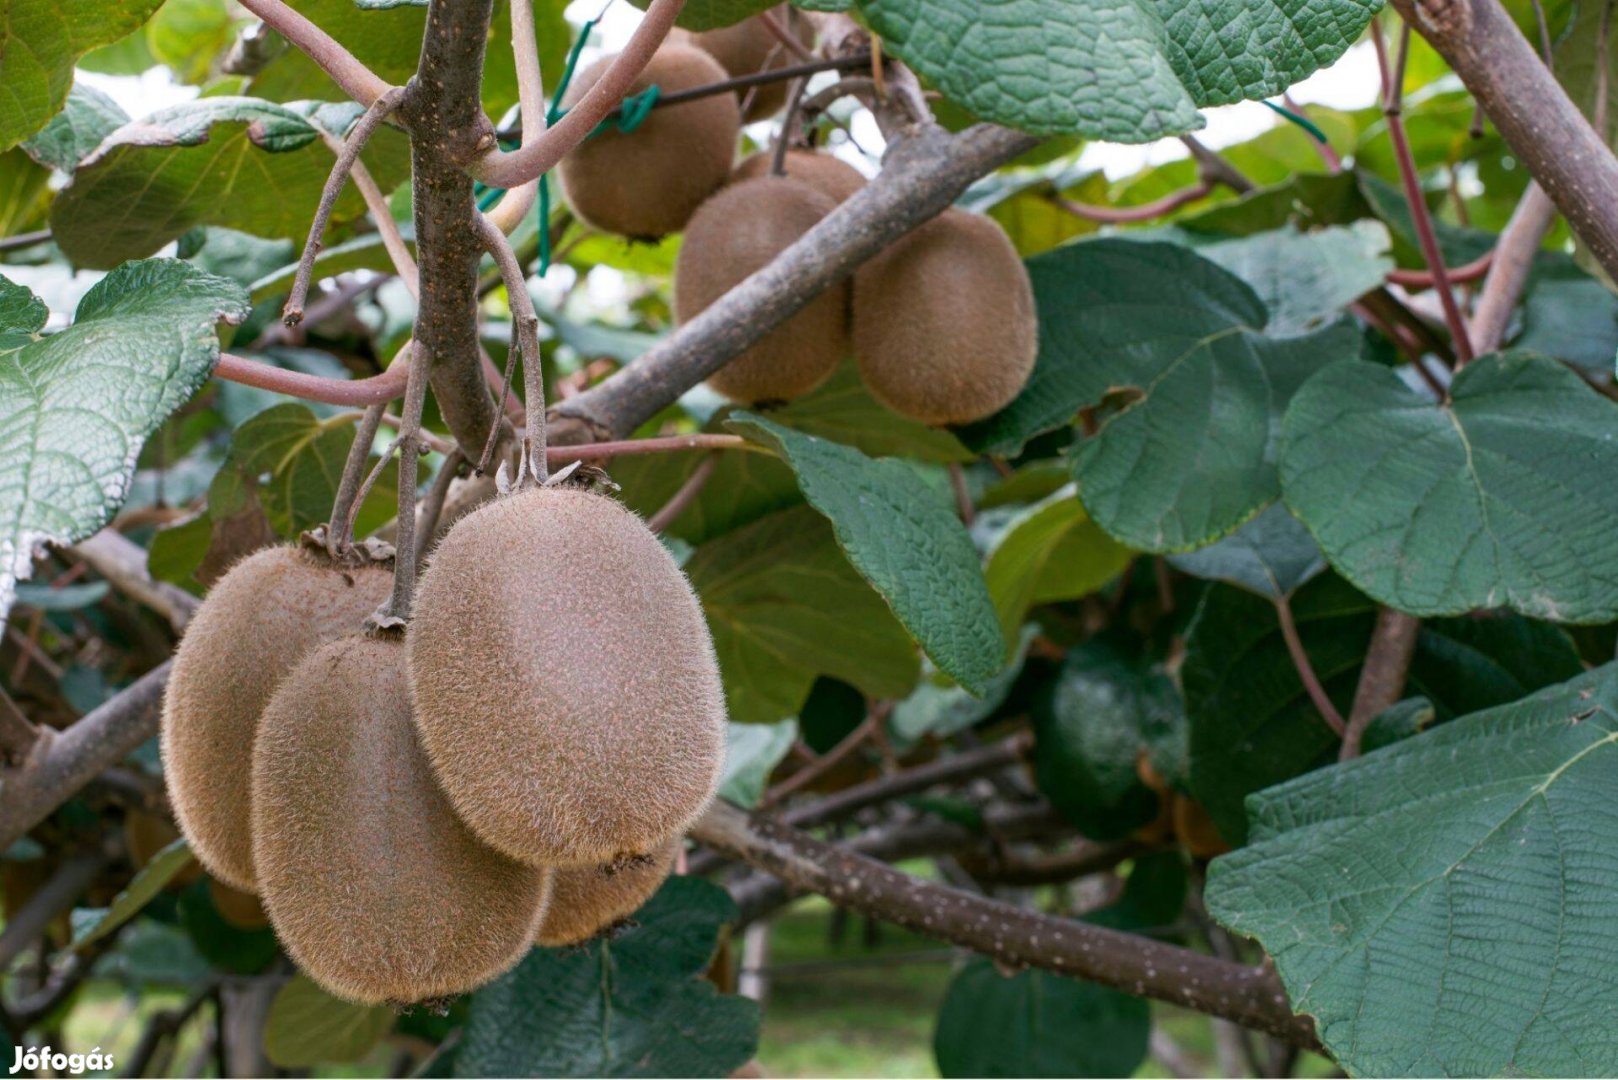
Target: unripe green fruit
(587,900)
(826,174)
(647,183)
(737,232)
(375,888)
(565,683)
(748,47)
(944,323)
(257,622)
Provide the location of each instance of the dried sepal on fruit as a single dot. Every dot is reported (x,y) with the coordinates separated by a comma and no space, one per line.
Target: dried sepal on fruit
(255,625)
(565,682)
(375,887)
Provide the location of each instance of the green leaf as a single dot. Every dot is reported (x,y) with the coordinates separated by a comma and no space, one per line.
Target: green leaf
(76,406)
(1050,552)
(752,751)
(1272,555)
(630,1005)
(1182,340)
(742,488)
(88,117)
(1035,1023)
(1304,279)
(307,1027)
(148,882)
(784,606)
(1446,906)
(22,315)
(843,411)
(910,547)
(24,193)
(1253,724)
(1569,315)
(1498,498)
(712,14)
(1122,70)
(299,457)
(236,162)
(1089,732)
(188,35)
(40,40)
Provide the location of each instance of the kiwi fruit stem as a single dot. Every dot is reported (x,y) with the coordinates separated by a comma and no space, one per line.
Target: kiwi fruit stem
(392,614)
(340,526)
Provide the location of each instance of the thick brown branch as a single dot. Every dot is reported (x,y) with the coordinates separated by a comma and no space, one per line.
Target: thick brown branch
(923,174)
(1382,678)
(1531,111)
(1508,271)
(1250,996)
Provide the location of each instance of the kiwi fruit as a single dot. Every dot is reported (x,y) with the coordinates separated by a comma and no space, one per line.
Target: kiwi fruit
(749,47)
(826,174)
(1195,829)
(257,622)
(147,834)
(587,900)
(737,232)
(240,909)
(647,183)
(944,323)
(375,888)
(565,683)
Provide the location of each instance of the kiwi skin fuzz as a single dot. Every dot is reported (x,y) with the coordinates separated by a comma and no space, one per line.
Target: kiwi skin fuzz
(944,323)
(375,888)
(828,175)
(565,683)
(588,900)
(647,183)
(257,622)
(737,232)
(748,47)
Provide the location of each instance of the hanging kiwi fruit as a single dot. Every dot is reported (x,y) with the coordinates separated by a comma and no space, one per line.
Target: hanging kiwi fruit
(256,624)
(552,633)
(750,46)
(944,322)
(826,174)
(375,887)
(646,183)
(587,901)
(737,232)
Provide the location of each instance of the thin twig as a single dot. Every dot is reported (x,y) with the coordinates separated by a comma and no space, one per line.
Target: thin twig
(1513,261)
(1119,215)
(963,495)
(1461,275)
(786,37)
(507,170)
(1382,676)
(397,608)
(378,111)
(515,204)
(24,240)
(686,495)
(378,388)
(783,139)
(340,526)
(525,339)
(358,81)
(1306,670)
(660,444)
(1392,108)
(832,758)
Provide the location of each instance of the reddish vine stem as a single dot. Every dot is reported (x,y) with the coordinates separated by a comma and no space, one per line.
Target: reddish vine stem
(869,729)
(786,37)
(1120,215)
(686,495)
(657,445)
(371,391)
(378,111)
(358,81)
(1392,107)
(1461,275)
(1306,670)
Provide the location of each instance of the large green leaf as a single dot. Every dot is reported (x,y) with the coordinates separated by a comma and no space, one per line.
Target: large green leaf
(1121,70)
(844,411)
(742,488)
(1035,1023)
(76,406)
(237,162)
(784,606)
(39,42)
(1252,723)
(910,547)
(1182,340)
(1499,498)
(1272,555)
(1052,551)
(88,117)
(1448,906)
(307,1027)
(91,925)
(633,1004)
(1304,279)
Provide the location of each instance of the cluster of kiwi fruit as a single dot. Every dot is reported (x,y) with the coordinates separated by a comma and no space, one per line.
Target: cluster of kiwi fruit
(416,809)
(941,323)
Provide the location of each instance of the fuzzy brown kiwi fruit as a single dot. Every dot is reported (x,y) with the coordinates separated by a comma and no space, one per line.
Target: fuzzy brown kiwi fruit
(587,900)
(748,47)
(944,324)
(565,683)
(240,909)
(647,183)
(374,886)
(738,231)
(826,174)
(257,622)
(147,834)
